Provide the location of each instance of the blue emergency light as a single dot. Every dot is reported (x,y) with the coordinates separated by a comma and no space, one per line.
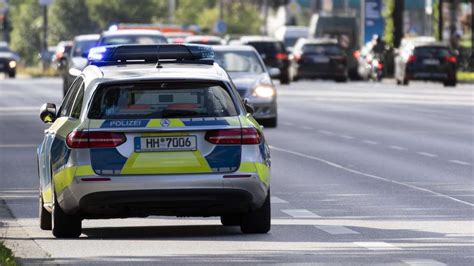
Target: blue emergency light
(157,53)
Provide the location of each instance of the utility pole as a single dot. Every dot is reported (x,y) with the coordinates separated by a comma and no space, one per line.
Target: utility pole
(398,22)
(265,17)
(171,10)
(440,20)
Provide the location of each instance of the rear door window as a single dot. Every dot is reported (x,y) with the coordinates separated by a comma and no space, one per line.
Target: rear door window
(162,100)
(324,49)
(432,52)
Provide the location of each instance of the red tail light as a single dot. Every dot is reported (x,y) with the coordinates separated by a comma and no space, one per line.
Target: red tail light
(451,59)
(356,54)
(85,139)
(297,57)
(234,136)
(281,56)
(411,58)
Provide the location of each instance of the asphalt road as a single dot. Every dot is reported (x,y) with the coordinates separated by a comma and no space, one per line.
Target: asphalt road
(363,173)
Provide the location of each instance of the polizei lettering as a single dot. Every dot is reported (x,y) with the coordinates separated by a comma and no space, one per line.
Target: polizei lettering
(124,123)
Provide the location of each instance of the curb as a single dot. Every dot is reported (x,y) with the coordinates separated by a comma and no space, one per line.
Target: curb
(24,248)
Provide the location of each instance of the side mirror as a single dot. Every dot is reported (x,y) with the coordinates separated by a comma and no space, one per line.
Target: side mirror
(274,72)
(48,113)
(249,106)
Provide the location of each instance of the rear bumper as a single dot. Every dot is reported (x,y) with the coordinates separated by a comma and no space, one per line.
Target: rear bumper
(175,202)
(321,71)
(174,195)
(265,110)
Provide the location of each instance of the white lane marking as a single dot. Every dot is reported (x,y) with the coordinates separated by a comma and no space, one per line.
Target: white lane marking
(377,245)
(398,148)
(346,137)
(287,123)
(306,127)
(336,229)
(274,199)
(300,213)
(325,132)
(371,142)
(459,162)
(18,145)
(427,154)
(371,176)
(421,262)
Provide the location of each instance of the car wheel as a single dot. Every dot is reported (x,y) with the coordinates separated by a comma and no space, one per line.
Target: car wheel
(257,221)
(343,79)
(450,83)
(285,78)
(12,74)
(398,81)
(269,122)
(63,224)
(405,82)
(230,219)
(44,215)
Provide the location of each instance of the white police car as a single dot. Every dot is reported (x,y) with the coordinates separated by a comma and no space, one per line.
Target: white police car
(152,130)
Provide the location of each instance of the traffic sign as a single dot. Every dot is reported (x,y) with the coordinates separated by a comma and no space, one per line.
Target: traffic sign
(45,2)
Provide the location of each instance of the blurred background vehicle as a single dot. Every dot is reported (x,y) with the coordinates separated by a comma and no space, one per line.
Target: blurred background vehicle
(273,53)
(8,60)
(76,60)
(373,59)
(318,58)
(342,28)
(247,71)
(427,61)
(177,37)
(290,34)
(204,39)
(131,36)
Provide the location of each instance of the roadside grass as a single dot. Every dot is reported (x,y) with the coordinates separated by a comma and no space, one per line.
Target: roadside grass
(6,256)
(465,76)
(37,71)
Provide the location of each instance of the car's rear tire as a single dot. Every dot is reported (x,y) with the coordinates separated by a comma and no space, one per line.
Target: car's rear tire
(340,80)
(63,224)
(269,122)
(405,82)
(450,83)
(44,216)
(257,221)
(230,219)
(12,74)
(285,77)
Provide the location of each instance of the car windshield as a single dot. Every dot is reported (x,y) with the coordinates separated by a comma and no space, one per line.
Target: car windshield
(82,47)
(239,61)
(431,51)
(133,39)
(325,49)
(4,49)
(162,100)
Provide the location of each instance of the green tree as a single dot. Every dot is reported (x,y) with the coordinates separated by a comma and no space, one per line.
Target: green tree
(389,27)
(27,27)
(106,12)
(189,11)
(68,18)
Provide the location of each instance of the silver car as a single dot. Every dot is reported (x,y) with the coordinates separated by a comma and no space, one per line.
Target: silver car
(247,71)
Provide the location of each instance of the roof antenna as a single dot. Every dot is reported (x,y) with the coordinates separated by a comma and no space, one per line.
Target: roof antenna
(158,65)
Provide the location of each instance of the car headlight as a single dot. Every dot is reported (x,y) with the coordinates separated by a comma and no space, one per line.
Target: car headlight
(12,64)
(74,72)
(264,91)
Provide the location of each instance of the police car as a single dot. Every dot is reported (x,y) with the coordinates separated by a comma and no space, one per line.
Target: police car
(152,130)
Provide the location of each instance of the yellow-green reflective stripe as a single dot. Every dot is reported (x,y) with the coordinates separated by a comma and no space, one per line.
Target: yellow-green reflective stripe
(47,195)
(166,163)
(263,173)
(247,167)
(95,123)
(63,178)
(84,170)
(173,123)
(233,121)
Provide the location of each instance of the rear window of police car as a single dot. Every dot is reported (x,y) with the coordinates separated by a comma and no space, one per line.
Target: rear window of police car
(162,100)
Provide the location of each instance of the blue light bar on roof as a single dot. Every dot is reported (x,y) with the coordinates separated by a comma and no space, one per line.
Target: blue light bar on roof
(159,53)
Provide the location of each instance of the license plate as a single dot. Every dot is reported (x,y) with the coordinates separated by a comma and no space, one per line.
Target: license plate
(431,62)
(321,59)
(168,143)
